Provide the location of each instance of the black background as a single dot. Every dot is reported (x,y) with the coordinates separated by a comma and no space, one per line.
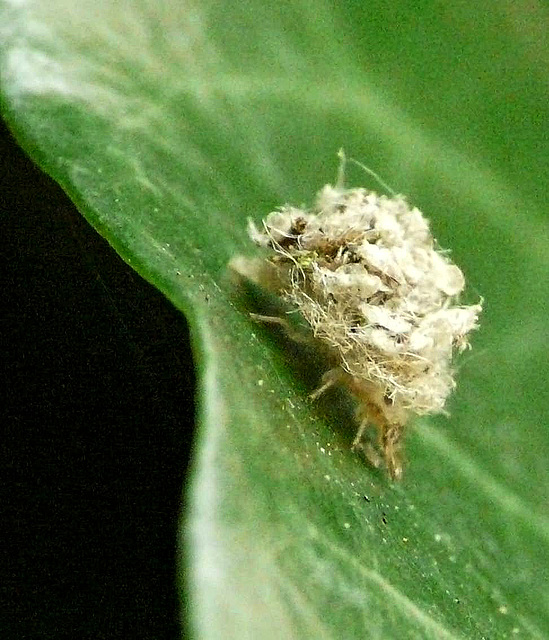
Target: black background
(97,425)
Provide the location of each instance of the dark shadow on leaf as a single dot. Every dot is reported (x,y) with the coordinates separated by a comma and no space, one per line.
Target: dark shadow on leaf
(307,357)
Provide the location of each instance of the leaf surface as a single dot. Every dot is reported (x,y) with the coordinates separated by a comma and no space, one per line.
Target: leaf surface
(169,124)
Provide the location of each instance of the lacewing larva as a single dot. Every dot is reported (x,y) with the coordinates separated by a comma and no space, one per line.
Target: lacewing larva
(366,274)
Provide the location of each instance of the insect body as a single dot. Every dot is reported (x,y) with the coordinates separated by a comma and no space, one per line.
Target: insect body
(364,272)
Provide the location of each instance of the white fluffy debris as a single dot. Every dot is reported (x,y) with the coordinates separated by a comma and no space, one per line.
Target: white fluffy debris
(364,271)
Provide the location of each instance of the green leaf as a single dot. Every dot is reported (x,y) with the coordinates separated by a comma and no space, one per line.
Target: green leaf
(168,124)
